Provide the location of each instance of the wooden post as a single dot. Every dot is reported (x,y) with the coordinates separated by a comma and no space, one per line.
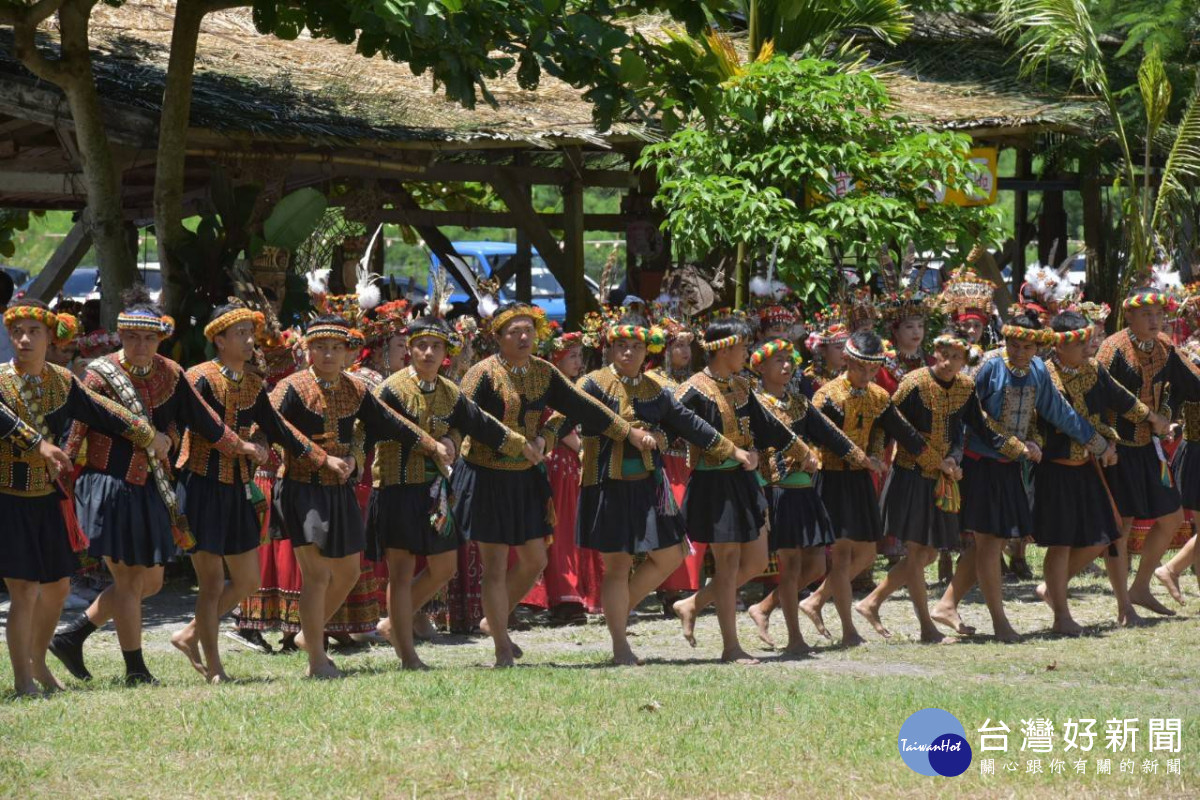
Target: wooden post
(524,255)
(573,253)
(63,260)
(1020,220)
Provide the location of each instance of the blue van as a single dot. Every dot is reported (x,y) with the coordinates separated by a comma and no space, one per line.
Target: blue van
(483,258)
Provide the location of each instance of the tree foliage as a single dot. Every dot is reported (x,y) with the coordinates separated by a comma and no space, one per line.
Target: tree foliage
(759,173)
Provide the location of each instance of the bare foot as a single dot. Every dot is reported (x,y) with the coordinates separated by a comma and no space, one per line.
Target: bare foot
(687,616)
(1171,581)
(1043,594)
(324,672)
(626,658)
(945,615)
(761,622)
(871,614)
(517,652)
(187,645)
(1129,618)
(414,664)
(28,689)
(1148,602)
(219,677)
(1067,627)
(814,616)
(851,639)
(384,629)
(800,649)
(932,636)
(739,656)
(504,661)
(46,678)
(423,628)
(1008,636)
(484,627)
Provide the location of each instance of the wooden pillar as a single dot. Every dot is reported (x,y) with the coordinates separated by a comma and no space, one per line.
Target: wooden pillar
(1021,219)
(63,260)
(1052,227)
(524,255)
(573,253)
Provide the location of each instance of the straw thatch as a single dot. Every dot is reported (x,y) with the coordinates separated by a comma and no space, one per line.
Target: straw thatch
(321,93)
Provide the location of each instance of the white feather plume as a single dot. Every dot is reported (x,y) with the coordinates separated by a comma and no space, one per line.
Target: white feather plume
(1164,278)
(767,287)
(318,282)
(488,306)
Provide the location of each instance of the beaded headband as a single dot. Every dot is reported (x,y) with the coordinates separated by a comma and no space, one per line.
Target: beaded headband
(328,331)
(1150,299)
(655,339)
(1037,336)
(142,320)
(776,315)
(858,355)
(453,343)
(1071,337)
(538,315)
(721,344)
(952,340)
(972,313)
(234,317)
(768,349)
(63,327)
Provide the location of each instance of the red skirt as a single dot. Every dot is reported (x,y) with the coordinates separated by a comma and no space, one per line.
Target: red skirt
(687,577)
(572,575)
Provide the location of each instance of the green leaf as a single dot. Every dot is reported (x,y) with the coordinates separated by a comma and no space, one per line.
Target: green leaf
(294,218)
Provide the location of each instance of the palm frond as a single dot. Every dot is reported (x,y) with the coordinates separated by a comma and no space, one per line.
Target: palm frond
(1183,164)
(811,26)
(1054,32)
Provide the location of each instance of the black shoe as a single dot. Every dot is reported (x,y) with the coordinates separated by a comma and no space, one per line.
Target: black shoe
(141,679)
(70,654)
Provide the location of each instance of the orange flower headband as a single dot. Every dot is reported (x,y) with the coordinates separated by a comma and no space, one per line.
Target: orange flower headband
(655,338)
(1037,336)
(1150,299)
(1071,337)
(63,327)
(768,349)
(538,315)
(142,320)
(952,340)
(234,317)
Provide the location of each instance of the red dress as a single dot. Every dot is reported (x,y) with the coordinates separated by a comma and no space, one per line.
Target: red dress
(687,577)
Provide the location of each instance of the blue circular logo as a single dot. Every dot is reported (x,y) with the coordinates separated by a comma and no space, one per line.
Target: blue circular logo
(934,742)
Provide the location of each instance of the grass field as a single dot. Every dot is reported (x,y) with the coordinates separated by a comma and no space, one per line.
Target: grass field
(563,724)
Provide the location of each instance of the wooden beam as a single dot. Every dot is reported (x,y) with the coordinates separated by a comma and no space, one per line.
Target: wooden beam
(35,102)
(55,183)
(575,291)
(524,257)
(62,261)
(500,219)
(507,184)
(1068,183)
(438,242)
(1020,219)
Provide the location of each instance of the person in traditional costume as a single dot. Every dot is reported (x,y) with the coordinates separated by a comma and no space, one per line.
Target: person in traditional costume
(967,299)
(1012,389)
(218,493)
(504,502)
(41,530)
(921,500)
(865,413)
(1143,360)
(1185,469)
(126,500)
(800,529)
(1097,314)
(827,343)
(676,368)
(571,583)
(1073,514)
(626,507)
(775,322)
(408,516)
(316,507)
(725,506)
(905,314)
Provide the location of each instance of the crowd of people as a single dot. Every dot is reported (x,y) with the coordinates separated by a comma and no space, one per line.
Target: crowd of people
(348,477)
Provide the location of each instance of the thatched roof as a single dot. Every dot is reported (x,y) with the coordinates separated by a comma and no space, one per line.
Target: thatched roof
(321,93)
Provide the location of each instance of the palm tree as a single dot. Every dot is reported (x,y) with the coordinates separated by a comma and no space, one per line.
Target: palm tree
(1062,33)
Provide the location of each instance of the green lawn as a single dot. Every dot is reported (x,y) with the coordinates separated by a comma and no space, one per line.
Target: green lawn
(565,725)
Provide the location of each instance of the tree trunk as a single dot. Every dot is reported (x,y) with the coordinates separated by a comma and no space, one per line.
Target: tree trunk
(172,152)
(105,216)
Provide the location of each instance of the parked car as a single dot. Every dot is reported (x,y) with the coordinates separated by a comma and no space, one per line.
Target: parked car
(84,283)
(484,258)
(20,277)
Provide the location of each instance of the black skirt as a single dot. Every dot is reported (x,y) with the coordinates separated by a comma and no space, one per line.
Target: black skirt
(325,516)
(627,517)
(1185,466)
(1075,510)
(500,506)
(909,512)
(221,516)
(798,519)
(994,500)
(849,497)
(1136,484)
(398,518)
(123,521)
(724,506)
(34,543)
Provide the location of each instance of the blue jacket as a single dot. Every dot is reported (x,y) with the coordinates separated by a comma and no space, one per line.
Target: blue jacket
(1012,401)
